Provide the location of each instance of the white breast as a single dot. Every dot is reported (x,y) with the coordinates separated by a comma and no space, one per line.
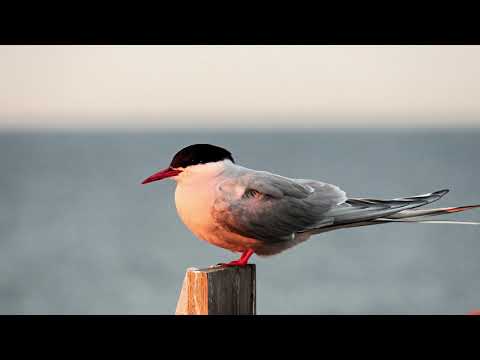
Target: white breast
(194,198)
(194,203)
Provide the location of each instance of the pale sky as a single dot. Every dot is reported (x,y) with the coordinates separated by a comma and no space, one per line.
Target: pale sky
(238,86)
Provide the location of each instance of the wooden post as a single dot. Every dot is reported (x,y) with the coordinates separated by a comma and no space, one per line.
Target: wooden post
(218,291)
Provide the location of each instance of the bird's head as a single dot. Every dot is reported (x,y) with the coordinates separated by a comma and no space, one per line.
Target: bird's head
(194,158)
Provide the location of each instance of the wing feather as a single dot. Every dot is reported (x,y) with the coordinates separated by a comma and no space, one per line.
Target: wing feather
(273,208)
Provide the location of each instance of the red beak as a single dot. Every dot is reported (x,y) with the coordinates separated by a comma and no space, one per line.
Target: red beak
(166,173)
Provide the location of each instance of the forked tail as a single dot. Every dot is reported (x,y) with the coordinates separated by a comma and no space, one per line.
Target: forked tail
(362,212)
(419,216)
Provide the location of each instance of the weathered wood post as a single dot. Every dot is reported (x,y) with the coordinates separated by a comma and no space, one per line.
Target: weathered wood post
(218,291)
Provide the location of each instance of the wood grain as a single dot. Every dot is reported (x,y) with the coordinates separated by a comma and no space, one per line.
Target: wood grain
(218,291)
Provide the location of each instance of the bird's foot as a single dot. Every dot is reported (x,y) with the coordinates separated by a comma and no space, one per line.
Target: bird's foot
(243,261)
(233,263)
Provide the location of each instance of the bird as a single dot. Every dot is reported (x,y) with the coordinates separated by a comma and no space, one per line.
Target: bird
(250,211)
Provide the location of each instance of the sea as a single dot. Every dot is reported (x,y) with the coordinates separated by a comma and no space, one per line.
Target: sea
(79,234)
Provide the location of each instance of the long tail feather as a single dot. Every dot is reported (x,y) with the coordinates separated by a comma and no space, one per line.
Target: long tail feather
(405,213)
(428,221)
(433,212)
(418,216)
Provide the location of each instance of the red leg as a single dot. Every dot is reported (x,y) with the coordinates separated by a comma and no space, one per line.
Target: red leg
(243,259)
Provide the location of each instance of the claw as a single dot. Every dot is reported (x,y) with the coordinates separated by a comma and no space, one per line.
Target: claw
(243,261)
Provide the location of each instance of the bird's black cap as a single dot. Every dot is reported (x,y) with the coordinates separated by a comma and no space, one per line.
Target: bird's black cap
(200,154)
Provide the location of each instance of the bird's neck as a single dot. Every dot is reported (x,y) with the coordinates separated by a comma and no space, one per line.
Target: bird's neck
(203,173)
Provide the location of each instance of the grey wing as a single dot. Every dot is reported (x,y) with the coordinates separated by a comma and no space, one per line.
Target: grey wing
(273,208)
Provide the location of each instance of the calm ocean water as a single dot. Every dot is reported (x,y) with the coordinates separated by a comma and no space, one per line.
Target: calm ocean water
(80,235)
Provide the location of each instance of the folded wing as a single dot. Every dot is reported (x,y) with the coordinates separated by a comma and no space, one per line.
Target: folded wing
(273,208)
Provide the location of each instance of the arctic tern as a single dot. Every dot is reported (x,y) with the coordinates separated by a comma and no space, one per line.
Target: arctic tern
(249,211)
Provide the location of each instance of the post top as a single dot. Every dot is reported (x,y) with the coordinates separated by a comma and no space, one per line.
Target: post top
(218,290)
(215,268)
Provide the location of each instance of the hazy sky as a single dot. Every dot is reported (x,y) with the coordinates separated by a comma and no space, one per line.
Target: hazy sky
(196,86)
